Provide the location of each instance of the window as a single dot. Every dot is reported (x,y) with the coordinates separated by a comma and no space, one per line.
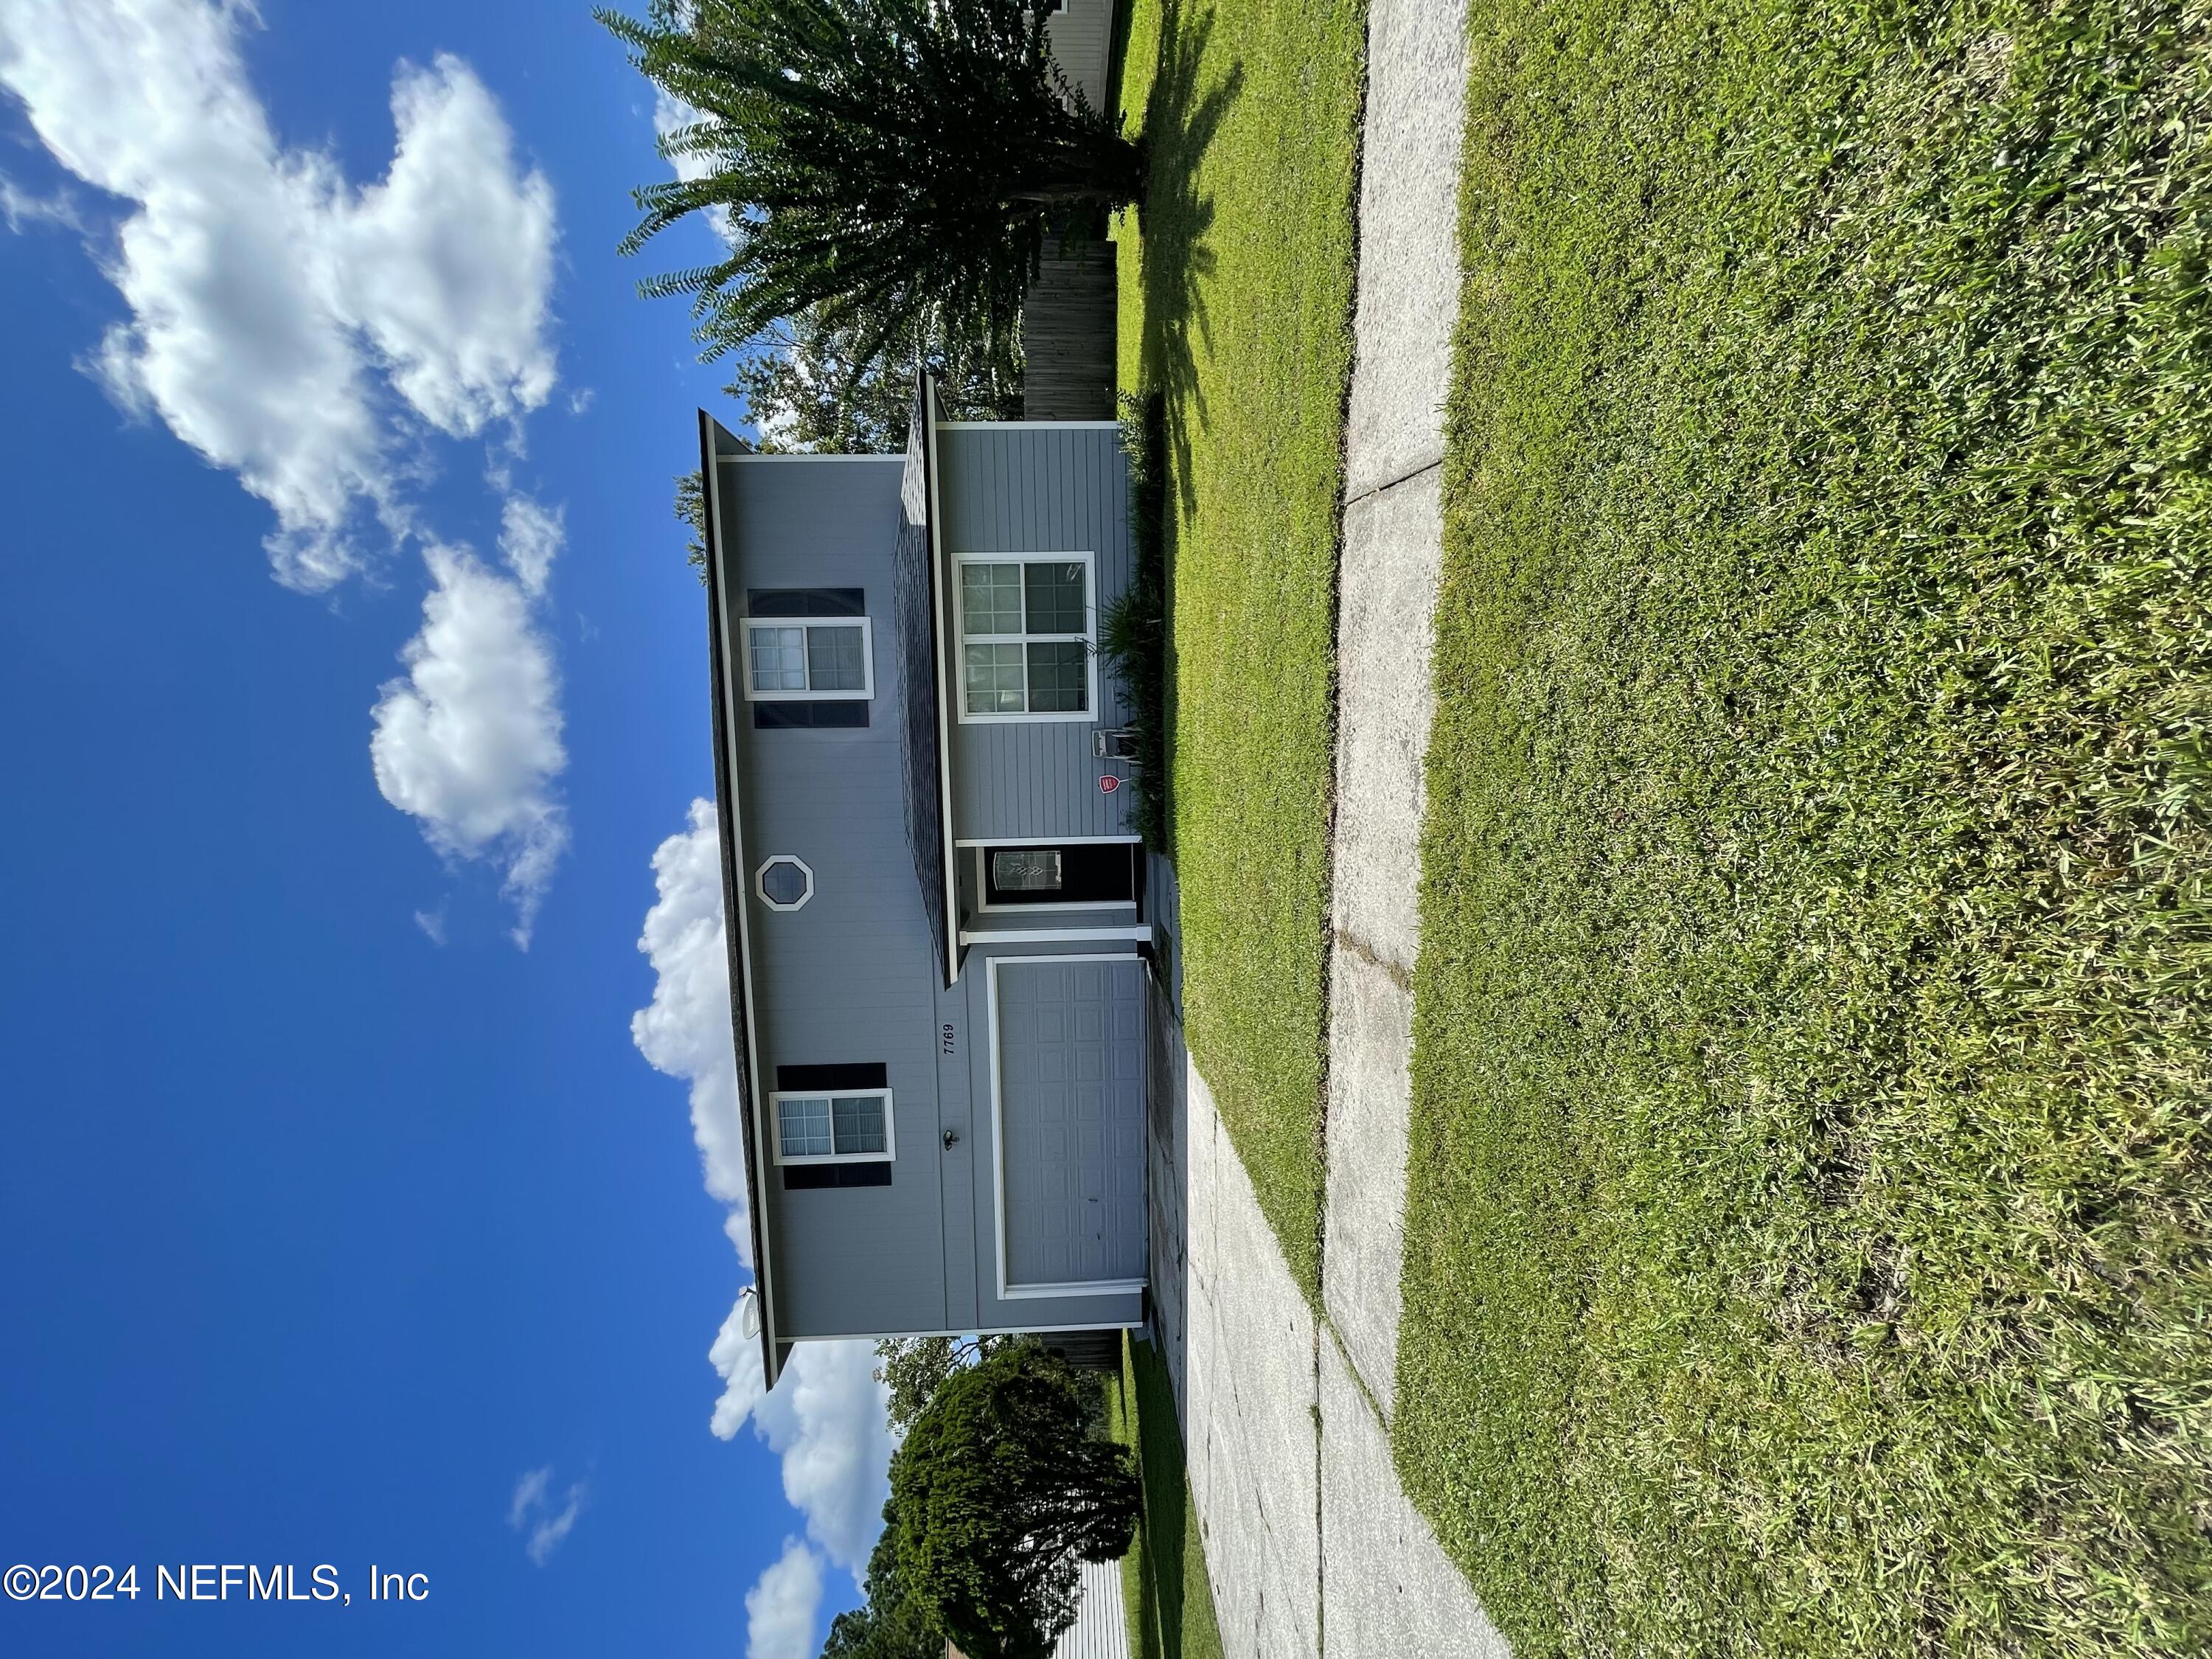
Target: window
(1058,877)
(821,1129)
(1025,638)
(1026,870)
(810,660)
(783,883)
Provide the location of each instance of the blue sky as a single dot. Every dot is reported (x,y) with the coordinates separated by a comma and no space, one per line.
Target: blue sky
(350,644)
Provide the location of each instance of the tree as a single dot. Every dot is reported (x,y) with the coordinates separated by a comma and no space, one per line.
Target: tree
(895,164)
(892,1624)
(810,390)
(999,1490)
(691,509)
(913,1368)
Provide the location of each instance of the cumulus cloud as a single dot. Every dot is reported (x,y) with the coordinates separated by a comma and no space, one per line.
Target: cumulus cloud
(469,740)
(686,1030)
(827,1419)
(780,1608)
(447,264)
(291,328)
(547,1522)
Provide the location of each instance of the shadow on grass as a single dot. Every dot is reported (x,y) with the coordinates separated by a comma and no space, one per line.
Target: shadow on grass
(1181,119)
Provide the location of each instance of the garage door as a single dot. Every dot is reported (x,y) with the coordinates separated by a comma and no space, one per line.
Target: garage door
(1072,1119)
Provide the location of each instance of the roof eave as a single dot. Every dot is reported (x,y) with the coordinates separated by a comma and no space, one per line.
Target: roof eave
(735,933)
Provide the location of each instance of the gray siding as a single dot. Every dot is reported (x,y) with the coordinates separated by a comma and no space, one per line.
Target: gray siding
(1029,488)
(847,978)
(1082,38)
(850,977)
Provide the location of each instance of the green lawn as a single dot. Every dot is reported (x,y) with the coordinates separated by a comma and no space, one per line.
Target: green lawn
(1235,279)
(1164,1581)
(1807,1245)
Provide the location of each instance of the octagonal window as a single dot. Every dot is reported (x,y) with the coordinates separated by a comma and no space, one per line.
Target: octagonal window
(783,883)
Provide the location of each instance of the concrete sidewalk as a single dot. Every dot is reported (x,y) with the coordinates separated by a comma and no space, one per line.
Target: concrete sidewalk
(1311,1545)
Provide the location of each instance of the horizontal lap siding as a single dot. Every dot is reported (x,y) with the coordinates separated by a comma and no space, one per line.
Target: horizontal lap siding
(849,978)
(1028,490)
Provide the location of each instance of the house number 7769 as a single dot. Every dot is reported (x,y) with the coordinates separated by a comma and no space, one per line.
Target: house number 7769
(947,1040)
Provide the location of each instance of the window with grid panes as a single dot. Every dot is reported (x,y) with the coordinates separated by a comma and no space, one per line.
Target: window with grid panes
(1025,636)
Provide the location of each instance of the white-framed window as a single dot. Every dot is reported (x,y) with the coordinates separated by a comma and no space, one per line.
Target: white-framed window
(809,658)
(783,882)
(1028,636)
(833,1126)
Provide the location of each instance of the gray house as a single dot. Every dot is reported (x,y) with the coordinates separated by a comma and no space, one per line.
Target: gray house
(937,963)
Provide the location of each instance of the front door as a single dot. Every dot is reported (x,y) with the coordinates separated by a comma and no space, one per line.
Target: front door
(1071,1080)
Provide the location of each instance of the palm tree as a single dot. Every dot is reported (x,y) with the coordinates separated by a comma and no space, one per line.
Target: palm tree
(892,166)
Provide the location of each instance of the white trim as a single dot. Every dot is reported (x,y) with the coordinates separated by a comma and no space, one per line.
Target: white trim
(998,1124)
(1030,426)
(805,455)
(1088,639)
(983,888)
(1102,1287)
(1056,840)
(890,1134)
(946,670)
(1141,931)
(867,691)
(730,661)
(1081,1287)
(760,885)
(988,1330)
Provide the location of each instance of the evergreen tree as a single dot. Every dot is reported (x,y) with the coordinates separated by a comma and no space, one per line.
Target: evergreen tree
(892,1624)
(894,165)
(913,1368)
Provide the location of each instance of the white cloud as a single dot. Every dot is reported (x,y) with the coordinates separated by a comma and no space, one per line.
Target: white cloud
(737,1359)
(686,1030)
(550,1524)
(291,328)
(531,536)
(21,207)
(468,741)
(529,1494)
(827,1418)
(780,1608)
(447,264)
(670,115)
(433,924)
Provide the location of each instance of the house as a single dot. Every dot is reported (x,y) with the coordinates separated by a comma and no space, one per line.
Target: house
(934,897)
(1081,35)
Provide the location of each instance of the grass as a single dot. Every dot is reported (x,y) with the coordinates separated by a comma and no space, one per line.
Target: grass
(1164,1581)
(1236,310)
(1808,1246)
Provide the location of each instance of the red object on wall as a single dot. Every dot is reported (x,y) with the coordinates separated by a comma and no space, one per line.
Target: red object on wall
(1109,783)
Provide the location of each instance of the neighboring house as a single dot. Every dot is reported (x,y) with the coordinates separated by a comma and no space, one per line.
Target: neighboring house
(1081,33)
(937,965)
(1101,1629)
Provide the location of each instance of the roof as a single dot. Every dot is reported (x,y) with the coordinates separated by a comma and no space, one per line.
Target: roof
(734,923)
(918,576)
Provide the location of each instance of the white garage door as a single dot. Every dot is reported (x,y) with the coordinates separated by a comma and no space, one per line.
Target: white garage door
(1072,1118)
